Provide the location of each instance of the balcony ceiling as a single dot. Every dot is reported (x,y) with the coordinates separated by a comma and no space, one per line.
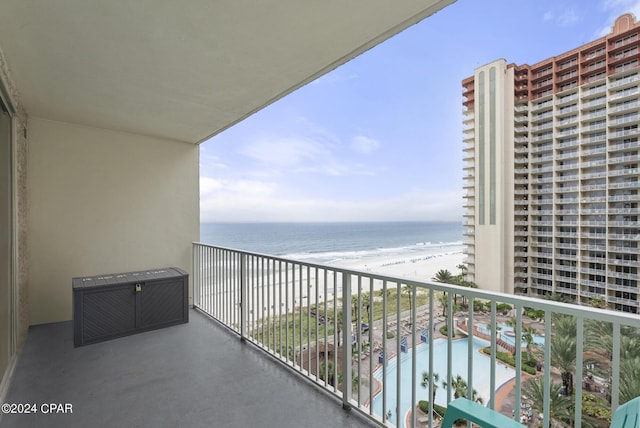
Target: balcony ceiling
(183,70)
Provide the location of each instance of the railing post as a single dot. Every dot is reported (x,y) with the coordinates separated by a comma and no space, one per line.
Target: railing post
(243,296)
(346,340)
(195,274)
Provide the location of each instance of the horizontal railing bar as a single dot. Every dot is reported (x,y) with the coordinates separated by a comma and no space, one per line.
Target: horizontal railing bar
(556,307)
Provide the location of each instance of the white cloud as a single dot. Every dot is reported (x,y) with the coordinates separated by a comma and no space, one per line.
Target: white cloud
(211,187)
(247,200)
(568,17)
(284,151)
(210,160)
(297,155)
(564,19)
(364,144)
(208,186)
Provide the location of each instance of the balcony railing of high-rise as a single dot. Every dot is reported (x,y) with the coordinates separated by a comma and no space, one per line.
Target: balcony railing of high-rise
(385,345)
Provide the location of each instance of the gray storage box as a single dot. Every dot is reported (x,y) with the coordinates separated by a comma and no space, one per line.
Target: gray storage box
(115,305)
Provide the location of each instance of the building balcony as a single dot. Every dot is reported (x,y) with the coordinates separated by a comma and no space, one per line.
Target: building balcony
(596,102)
(541,286)
(593,187)
(544,137)
(594,91)
(521,119)
(194,374)
(628,106)
(623,159)
(629,302)
(623,288)
(624,198)
(589,271)
(280,292)
(625,146)
(624,275)
(633,211)
(596,151)
(618,83)
(623,249)
(572,143)
(263,327)
(567,167)
(590,175)
(627,93)
(623,171)
(568,98)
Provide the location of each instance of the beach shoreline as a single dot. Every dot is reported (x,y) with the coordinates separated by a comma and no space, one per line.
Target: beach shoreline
(306,287)
(421,265)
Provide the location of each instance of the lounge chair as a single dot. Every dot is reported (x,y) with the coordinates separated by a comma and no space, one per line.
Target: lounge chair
(627,415)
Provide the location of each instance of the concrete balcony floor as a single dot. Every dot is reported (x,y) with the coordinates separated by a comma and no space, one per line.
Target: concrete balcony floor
(191,375)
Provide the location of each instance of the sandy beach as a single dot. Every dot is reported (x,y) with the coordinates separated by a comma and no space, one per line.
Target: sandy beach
(277,290)
(419,265)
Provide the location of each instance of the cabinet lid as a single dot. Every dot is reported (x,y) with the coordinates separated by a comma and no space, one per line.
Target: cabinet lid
(127,277)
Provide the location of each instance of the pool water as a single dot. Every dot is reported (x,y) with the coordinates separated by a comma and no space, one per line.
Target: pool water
(509,337)
(481,374)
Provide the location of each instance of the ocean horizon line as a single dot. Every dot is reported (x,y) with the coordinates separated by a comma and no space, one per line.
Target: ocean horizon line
(332,222)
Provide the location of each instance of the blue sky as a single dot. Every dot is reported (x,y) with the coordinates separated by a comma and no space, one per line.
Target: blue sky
(380,138)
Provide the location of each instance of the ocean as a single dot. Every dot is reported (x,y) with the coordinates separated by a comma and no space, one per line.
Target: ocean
(334,242)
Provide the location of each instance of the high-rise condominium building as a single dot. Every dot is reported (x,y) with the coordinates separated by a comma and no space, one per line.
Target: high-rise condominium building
(551,173)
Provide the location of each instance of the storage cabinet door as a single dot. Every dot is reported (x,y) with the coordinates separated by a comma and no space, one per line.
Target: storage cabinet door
(108,313)
(161,302)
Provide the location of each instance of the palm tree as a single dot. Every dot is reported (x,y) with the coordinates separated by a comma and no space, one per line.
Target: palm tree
(599,338)
(563,356)
(444,276)
(407,289)
(564,325)
(528,335)
(337,323)
(463,283)
(629,379)
(598,302)
(511,322)
(425,383)
(327,372)
(444,301)
(461,389)
(354,308)
(463,271)
(366,302)
(559,405)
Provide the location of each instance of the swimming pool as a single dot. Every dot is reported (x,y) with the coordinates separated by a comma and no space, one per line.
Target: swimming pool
(481,374)
(509,334)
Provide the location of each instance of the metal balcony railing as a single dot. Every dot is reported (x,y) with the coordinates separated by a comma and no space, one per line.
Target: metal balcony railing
(368,338)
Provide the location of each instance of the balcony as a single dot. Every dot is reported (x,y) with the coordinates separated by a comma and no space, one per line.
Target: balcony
(294,311)
(112,174)
(87,215)
(195,374)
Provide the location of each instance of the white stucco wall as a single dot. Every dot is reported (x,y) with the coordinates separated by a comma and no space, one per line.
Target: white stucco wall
(494,240)
(102,201)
